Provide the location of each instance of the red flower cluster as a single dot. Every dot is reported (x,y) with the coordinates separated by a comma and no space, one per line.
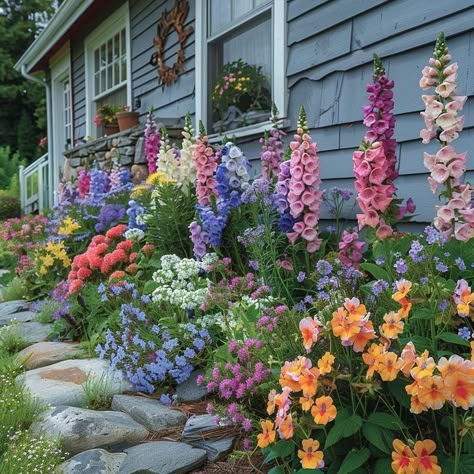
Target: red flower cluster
(104,255)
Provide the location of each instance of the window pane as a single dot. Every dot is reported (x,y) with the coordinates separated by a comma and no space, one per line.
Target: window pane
(103,58)
(220,14)
(124,69)
(109,77)
(244,97)
(109,51)
(96,60)
(102,81)
(241,7)
(97,83)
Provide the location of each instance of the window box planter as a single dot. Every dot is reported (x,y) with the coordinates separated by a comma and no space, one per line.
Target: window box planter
(111,129)
(127,120)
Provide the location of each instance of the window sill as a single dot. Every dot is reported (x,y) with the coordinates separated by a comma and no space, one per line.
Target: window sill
(256,129)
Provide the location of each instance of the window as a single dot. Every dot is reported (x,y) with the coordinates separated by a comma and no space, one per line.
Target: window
(240,64)
(67,113)
(107,66)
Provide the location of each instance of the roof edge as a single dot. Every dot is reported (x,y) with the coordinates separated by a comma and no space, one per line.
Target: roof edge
(60,23)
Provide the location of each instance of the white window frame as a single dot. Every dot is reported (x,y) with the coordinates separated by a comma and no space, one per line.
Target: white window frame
(279,82)
(60,66)
(115,23)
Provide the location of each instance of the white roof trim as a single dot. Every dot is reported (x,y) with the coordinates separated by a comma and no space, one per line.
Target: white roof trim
(59,24)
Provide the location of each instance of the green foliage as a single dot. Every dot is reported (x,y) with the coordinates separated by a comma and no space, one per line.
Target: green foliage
(170,213)
(48,308)
(98,393)
(14,290)
(10,206)
(10,340)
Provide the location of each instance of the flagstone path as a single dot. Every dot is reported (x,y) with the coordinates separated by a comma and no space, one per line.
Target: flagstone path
(122,440)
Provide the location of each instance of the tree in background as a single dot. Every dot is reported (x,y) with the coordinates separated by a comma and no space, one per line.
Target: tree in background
(22,121)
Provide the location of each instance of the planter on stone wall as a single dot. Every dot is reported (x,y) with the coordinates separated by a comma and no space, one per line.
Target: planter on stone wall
(111,129)
(127,120)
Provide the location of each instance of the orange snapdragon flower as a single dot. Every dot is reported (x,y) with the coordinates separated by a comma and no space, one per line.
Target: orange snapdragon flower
(306,403)
(355,309)
(291,371)
(365,334)
(458,377)
(325,363)
(286,428)
(310,457)
(432,392)
(427,463)
(393,325)
(425,366)
(343,325)
(371,358)
(323,410)
(309,328)
(463,298)
(408,356)
(267,436)
(404,461)
(309,381)
(403,288)
(388,366)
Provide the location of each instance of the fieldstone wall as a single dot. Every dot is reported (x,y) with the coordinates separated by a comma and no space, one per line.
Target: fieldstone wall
(130,146)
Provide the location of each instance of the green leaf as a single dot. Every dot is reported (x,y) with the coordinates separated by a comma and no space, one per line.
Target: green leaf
(376,271)
(383,466)
(381,438)
(385,420)
(282,449)
(309,471)
(222,353)
(452,338)
(277,470)
(397,389)
(422,314)
(353,460)
(150,287)
(343,428)
(466,464)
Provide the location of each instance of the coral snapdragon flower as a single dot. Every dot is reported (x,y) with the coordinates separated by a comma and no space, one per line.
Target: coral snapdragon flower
(309,381)
(428,463)
(267,436)
(371,358)
(310,457)
(404,461)
(432,392)
(393,325)
(388,366)
(309,328)
(325,363)
(286,428)
(403,288)
(323,410)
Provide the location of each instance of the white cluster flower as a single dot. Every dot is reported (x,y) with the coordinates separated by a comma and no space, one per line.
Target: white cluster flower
(167,162)
(209,320)
(180,282)
(187,167)
(134,234)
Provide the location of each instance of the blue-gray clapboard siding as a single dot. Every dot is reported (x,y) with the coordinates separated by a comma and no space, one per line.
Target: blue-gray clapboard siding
(330,47)
(329,63)
(172,101)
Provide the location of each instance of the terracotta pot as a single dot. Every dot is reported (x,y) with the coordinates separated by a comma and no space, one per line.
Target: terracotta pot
(111,129)
(127,120)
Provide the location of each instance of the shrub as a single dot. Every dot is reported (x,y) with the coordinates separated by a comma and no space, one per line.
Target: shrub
(10,206)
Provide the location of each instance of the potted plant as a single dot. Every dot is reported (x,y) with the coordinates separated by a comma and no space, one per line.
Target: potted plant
(127,119)
(106,117)
(241,96)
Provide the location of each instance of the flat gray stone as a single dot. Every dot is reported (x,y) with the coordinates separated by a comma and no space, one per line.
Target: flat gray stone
(61,383)
(32,332)
(194,433)
(80,429)
(162,457)
(20,317)
(150,413)
(93,461)
(11,307)
(42,354)
(140,156)
(189,391)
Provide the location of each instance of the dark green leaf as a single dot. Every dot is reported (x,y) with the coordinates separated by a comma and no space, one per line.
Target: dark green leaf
(379,437)
(377,272)
(343,428)
(383,466)
(353,460)
(281,450)
(422,314)
(150,287)
(452,338)
(397,389)
(309,471)
(277,470)
(385,420)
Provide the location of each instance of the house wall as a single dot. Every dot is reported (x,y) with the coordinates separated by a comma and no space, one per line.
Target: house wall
(329,63)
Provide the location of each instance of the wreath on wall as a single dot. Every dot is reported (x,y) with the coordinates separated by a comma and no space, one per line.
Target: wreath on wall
(173,19)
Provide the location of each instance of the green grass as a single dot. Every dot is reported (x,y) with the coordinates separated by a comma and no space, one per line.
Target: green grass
(13,291)
(98,393)
(48,308)
(10,341)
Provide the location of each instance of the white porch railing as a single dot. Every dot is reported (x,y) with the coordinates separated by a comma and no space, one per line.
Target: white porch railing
(34,186)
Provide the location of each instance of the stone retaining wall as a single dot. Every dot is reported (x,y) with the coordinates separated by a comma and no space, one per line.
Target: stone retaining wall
(130,146)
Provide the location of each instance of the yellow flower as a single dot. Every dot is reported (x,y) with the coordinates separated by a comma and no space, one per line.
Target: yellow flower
(159,178)
(310,457)
(68,226)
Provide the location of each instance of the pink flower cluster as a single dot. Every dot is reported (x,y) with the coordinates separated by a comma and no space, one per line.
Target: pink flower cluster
(83,183)
(206,165)
(375,161)
(304,196)
(152,143)
(350,249)
(446,167)
(270,317)
(272,153)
